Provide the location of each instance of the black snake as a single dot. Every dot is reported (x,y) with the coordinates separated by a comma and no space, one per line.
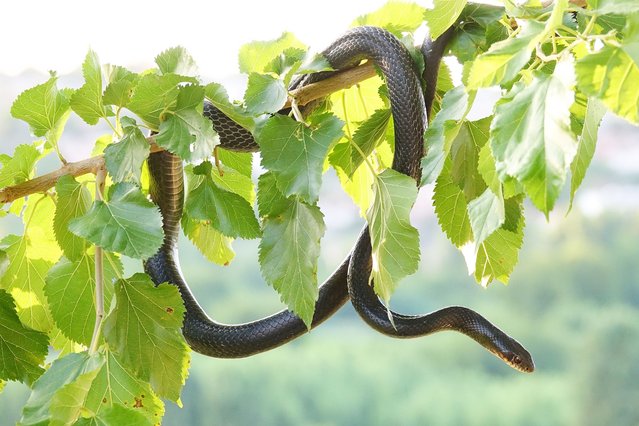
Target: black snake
(351,278)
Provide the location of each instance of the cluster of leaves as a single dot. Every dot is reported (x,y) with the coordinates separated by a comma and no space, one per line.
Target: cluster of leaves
(559,68)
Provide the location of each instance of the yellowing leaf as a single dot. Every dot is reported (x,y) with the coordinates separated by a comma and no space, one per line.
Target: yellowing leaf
(255,56)
(611,75)
(74,200)
(24,279)
(504,59)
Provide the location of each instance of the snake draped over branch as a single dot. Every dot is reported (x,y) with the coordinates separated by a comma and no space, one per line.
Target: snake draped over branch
(409,105)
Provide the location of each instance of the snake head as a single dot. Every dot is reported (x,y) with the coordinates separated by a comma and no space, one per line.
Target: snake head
(518,358)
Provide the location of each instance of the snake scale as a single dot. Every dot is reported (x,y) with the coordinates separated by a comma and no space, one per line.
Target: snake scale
(351,278)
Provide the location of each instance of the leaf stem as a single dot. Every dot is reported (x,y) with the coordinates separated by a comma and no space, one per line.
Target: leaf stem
(216,157)
(114,128)
(361,99)
(350,138)
(349,134)
(296,111)
(100,178)
(35,207)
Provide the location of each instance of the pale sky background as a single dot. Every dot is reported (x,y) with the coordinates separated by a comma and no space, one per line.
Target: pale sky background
(56,35)
(45,35)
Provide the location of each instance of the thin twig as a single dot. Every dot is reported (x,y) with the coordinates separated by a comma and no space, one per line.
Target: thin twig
(43,183)
(100,178)
(341,80)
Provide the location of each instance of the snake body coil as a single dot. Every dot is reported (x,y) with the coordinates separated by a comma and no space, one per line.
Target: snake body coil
(211,338)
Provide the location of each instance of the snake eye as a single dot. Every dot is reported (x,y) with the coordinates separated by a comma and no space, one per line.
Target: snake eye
(516,360)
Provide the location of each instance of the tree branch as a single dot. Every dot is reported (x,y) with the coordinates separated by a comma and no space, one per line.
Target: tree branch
(341,80)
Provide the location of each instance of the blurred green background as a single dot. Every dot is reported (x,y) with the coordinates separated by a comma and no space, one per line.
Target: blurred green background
(573,301)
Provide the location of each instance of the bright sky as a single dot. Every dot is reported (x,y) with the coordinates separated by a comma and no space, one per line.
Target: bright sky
(45,35)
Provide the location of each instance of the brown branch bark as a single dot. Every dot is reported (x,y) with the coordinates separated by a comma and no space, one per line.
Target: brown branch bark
(302,96)
(340,81)
(45,182)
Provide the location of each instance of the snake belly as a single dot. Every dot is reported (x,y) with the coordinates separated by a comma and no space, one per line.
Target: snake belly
(215,339)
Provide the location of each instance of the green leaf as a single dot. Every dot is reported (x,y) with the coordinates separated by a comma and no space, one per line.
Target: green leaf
(531,137)
(124,159)
(43,107)
(186,132)
(394,241)
(264,94)
(270,201)
(443,15)
(396,17)
(144,330)
(483,14)
(69,290)
(487,169)
(295,153)
(603,7)
(121,83)
(451,210)
(242,162)
(114,386)
(471,42)
(288,255)
(156,94)
(497,256)
(128,223)
(257,55)
(24,279)
(504,59)
(235,182)
(464,155)
(611,75)
(74,201)
(442,131)
(228,212)
(22,350)
(286,63)
(216,94)
(19,168)
(587,142)
(486,214)
(87,100)
(176,60)
(63,371)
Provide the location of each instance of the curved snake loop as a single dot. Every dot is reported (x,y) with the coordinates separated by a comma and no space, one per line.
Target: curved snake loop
(456,318)
(211,338)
